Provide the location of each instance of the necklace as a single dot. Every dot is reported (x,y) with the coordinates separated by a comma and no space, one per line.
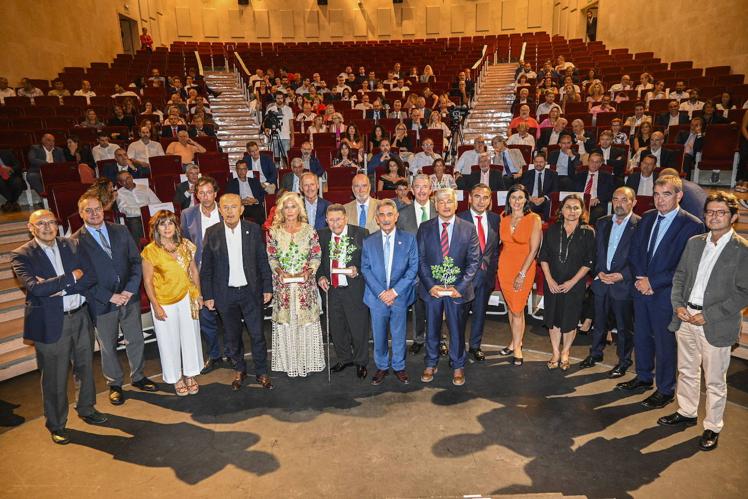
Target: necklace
(561,244)
(514,223)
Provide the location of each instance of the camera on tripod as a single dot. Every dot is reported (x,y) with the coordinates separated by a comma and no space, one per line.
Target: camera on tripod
(273,120)
(458,113)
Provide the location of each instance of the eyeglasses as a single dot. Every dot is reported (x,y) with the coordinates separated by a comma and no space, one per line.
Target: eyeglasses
(719,213)
(45,224)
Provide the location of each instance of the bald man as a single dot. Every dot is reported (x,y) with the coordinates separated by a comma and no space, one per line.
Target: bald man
(361,211)
(41,154)
(57,320)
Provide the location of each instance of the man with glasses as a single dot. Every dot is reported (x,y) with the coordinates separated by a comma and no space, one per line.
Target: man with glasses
(469,158)
(672,117)
(56,276)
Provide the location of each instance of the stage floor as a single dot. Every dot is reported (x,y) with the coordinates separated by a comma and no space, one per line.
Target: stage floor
(509,431)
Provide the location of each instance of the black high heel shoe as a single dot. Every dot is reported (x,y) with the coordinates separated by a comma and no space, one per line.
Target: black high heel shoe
(518,361)
(506,351)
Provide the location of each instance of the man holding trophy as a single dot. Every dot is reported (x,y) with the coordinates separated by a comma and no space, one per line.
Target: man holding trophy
(340,278)
(449,257)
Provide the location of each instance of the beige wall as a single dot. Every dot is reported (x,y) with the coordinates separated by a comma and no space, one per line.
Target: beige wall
(710,33)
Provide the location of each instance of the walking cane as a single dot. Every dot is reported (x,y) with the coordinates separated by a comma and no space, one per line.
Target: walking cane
(327,321)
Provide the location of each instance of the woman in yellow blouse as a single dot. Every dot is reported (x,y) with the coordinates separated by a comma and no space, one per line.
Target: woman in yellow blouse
(172,283)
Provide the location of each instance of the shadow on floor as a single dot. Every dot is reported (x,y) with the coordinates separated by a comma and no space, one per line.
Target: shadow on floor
(8,418)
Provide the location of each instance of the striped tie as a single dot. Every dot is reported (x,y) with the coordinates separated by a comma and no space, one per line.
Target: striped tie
(445,239)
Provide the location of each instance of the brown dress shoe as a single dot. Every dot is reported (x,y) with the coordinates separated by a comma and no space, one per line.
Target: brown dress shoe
(402,376)
(237,383)
(264,381)
(458,377)
(378,377)
(428,374)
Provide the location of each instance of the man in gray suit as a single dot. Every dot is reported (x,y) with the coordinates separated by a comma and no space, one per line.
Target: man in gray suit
(710,289)
(410,218)
(42,154)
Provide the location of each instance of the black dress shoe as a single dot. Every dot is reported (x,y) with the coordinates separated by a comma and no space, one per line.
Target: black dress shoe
(506,351)
(617,372)
(656,401)
(116,397)
(634,384)
(443,349)
(676,419)
(340,366)
(362,372)
(378,377)
(588,362)
(211,364)
(708,440)
(60,437)
(95,418)
(145,384)
(477,354)
(416,347)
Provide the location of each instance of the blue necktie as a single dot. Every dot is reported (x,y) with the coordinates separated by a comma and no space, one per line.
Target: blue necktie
(507,170)
(387,258)
(653,239)
(362,216)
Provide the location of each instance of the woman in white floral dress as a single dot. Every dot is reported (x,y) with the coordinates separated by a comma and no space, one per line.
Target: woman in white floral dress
(294,252)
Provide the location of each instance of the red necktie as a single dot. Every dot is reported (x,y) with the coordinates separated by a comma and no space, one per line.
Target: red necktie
(335,282)
(481,234)
(588,187)
(445,239)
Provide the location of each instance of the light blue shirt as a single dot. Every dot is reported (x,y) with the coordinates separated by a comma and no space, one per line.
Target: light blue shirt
(664,226)
(562,165)
(69,302)
(616,232)
(311,211)
(450,228)
(95,234)
(388,257)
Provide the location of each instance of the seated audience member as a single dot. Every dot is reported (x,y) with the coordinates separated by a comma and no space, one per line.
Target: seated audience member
(645,84)
(185,192)
(402,195)
(711,116)
(615,157)
(92,121)
(341,85)
(680,93)
(603,107)
(103,149)
(376,137)
(725,104)
(511,161)
(345,157)
(622,86)
(527,71)
(540,182)
(579,137)
(595,93)
(524,118)
(85,91)
(639,117)
(172,126)
(424,158)
(185,147)
(643,137)
(692,141)
(436,123)
(130,198)
(470,157)
(598,184)
(120,91)
(548,104)
(353,139)
(124,163)
(141,151)
(41,154)
(262,166)
(5,90)
(551,120)
(28,89)
(672,117)
(121,119)
(619,136)
(149,109)
(311,163)
(364,104)
(317,126)
(693,103)
(694,196)
(440,179)
(657,93)
(565,162)
(59,90)
(200,129)
(401,140)
(397,112)
(81,154)
(642,182)
(291,181)
(250,192)
(104,190)
(522,98)
(550,136)
(381,158)
(11,180)
(522,137)
(665,158)
(484,175)
(394,171)
(416,121)
(562,65)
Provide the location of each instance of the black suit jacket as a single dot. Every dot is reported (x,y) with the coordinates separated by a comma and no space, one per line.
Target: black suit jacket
(617,159)
(232,187)
(490,257)
(495,181)
(357,234)
(620,261)
(667,158)
(573,162)
(664,119)
(180,197)
(207,130)
(545,137)
(550,181)
(214,268)
(121,272)
(43,316)
(409,123)
(683,137)
(370,114)
(37,157)
(605,185)
(9,159)
(633,180)
(166,130)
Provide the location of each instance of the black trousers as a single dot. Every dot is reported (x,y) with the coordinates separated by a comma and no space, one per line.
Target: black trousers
(12,188)
(623,313)
(349,325)
(241,304)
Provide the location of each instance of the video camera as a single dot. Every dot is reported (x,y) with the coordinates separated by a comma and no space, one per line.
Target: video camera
(273,120)
(458,113)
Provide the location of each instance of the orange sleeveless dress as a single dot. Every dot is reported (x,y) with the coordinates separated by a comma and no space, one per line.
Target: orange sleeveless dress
(514,251)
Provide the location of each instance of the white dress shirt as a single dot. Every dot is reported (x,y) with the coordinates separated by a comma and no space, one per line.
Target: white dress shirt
(210,220)
(517,139)
(342,280)
(129,202)
(646,186)
(69,302)
(237,278)
(101,153)
(466,161)
(536,193)
(256,166)
(709,257)
(140,151)
(420,160)
(420,212)
(49,156)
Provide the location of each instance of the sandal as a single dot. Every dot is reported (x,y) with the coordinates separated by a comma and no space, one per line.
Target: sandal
(564,365)
(518,361)
(553,364)
(181,388)
(192,386)
(506,351)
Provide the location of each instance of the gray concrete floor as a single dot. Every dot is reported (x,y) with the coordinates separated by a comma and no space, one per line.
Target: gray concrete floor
(508,432)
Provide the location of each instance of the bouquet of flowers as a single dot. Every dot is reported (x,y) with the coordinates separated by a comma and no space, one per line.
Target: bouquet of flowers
(342,251)
(446,273)
(292,260)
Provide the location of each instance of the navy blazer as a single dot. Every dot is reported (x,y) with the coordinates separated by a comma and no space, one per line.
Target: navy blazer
(357,235)
(43,316)
(463,249)
(694,198)
(232,187)
(495,181)
(550,181)
(573,162)
(620,261)
(267,166)
(320,218)
(166,130)
(665,260)
(121,272)
(214,269)
(111,170)
(667,158)
(191,223)
(490,258)
(180,195)
(605,185)
(634,179)
(9,160)
(664,119)
(402,275)
(37,157)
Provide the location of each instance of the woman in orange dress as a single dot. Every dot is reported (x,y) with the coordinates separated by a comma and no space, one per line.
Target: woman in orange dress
(521,233)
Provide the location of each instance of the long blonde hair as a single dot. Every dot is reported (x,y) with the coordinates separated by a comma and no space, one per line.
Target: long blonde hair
(279,218)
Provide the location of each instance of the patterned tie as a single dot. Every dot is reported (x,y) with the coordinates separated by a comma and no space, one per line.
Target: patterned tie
(362,216)
(653,238)
(445,239)
(588,187)
(387,250)
(481,234)
(105,243)
(335,277)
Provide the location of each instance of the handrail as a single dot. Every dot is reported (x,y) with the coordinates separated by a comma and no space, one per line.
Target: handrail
(480,59)
(199,63)
(241,63)
(522,52)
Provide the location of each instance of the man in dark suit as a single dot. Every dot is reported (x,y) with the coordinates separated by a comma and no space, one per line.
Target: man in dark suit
(184,194)
(411,217)
(200,129)
(123,163)
(485,175)
(551,135)
(195,221)
(591,26)
(114,299)
(540,182)
(486,225)
(311,163)
(11,180)
(672,117)
(236,281)
(710,290)
(56,276)
(316,207)
(249,191)
(42,154)
(692,142)
(642,182)
(665,157)
(598,184)
(439,238)
(172,127)
(614,157)
(416,121)
(291,181)
(656,248)
(565,162)
(613,282)
(262,166)
(694,196)
(349,316)
(376,113)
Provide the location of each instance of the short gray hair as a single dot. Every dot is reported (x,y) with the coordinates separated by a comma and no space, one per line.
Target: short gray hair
(444,193)
(382,202)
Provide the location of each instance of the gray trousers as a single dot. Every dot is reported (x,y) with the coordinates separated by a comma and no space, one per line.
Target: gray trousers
(75,345)
(107,330)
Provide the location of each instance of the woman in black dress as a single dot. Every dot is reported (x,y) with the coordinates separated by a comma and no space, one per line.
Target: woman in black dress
(567,255)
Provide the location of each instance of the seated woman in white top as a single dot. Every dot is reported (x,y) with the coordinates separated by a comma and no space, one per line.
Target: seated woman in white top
(436,123)
(440,179)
